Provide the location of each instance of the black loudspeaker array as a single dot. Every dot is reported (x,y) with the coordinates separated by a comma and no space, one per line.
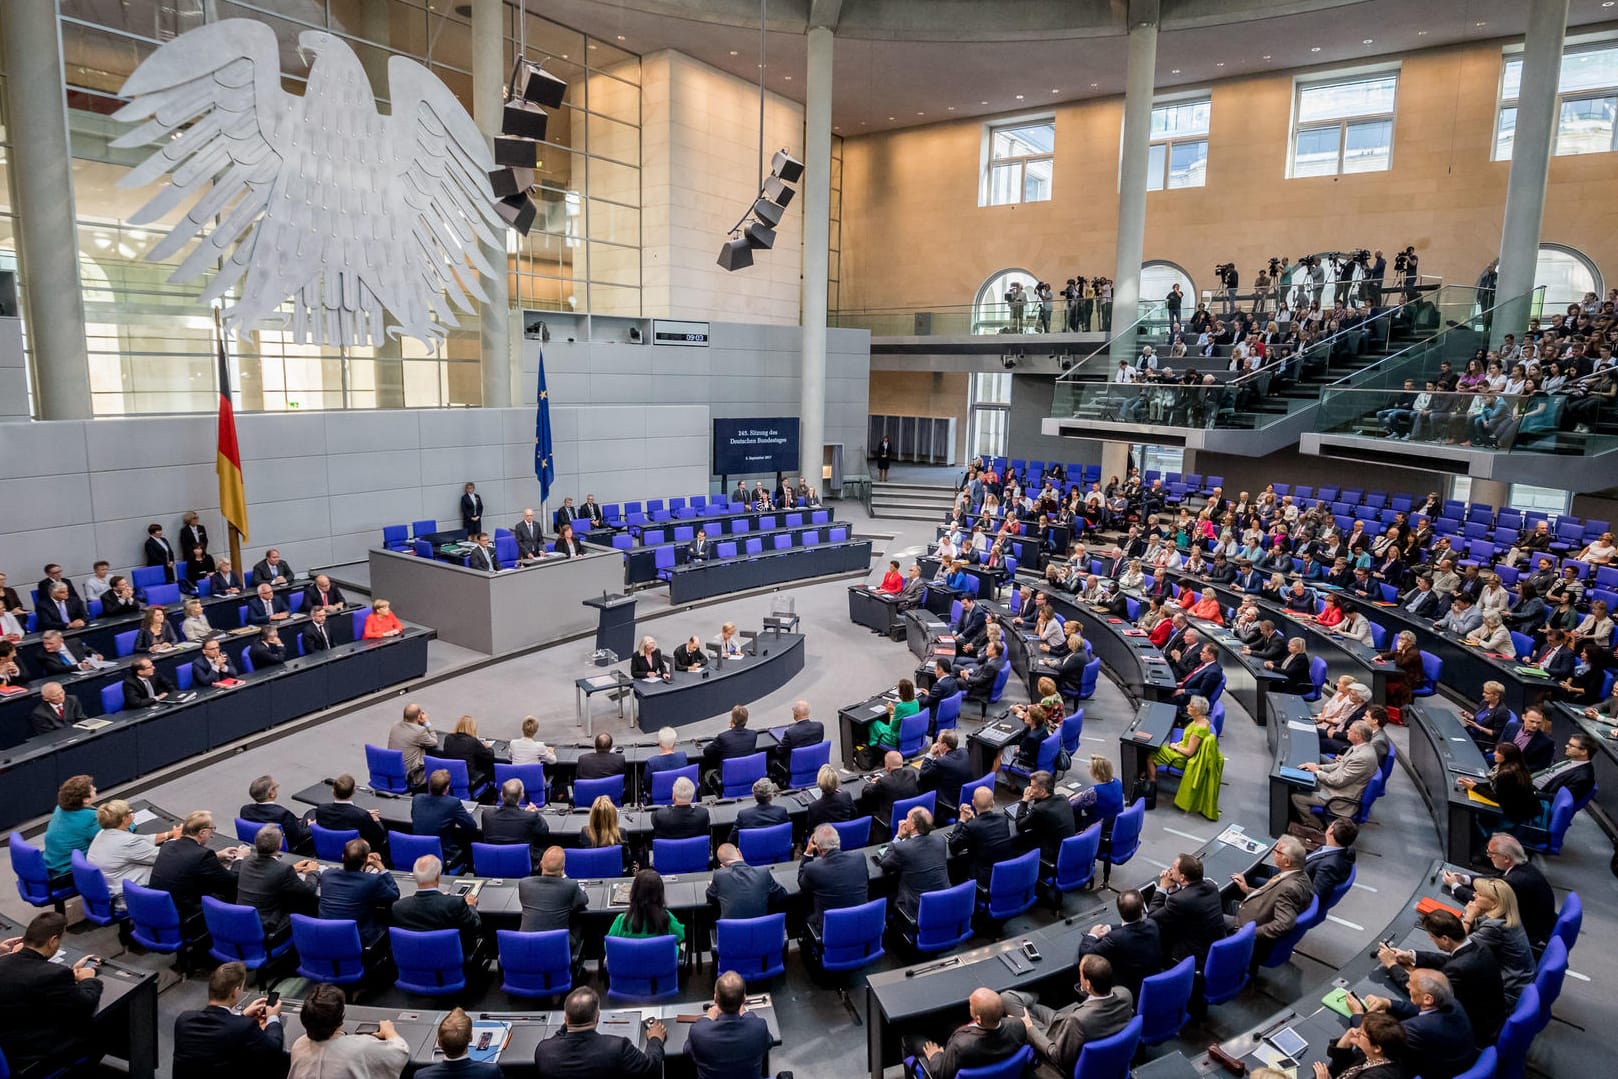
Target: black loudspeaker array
(756,229)
(516,148)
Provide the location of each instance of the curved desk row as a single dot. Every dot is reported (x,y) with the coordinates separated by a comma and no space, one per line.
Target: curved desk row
(1135,662)
(1566,718)
(138,742)
(1294,742)
(1441,752)
(688,696)
(702,580)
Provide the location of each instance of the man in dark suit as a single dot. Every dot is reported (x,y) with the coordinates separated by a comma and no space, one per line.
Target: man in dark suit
(1532,735)
(1472,970)
(1421,601)
(971,633)
(763,813)
(801,732)
(440,813)
(582,1052)
(831,877)
(359,890)
(944,687)
(682,820)
(321,592)
(46,1008)
(55,709)
(1575,773)
(483,556)
(530,535)
(266,607)
(1187,910)
(1045,820)
(946,768)
(730,743)
(264,809)
(1438,1035)
(1132,946)
(979,681)
(1330,866)
(1536,903)
(53,576)
(211,666)
(188,870)
(273,888)
(982,835)
(472,510)
(1202,679)
(159,552)
(143,686)
(1556,659)
(600,763)
(431,909)
(699,549)
(896,783)
(919,857)
(1270,645)
(216,1039)
(61,609)
(516,821)
(988,1039)
(316,635)
(551,900)
(740,890)
(591,510)
(567,514)
(689,655)
(267,651)
(454,1038)
(729,1040)
(272,569)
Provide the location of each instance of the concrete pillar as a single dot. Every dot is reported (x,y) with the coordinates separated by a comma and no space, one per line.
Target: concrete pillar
(1139,78)
(1114,461)
(489,75)
(1531,147)
(816,256)
(42,186)
(1491,492)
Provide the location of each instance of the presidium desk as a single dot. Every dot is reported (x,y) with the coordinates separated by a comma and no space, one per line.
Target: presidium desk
(496,613)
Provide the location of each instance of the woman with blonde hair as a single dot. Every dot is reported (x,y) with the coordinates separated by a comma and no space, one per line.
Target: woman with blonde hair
(381,622)
(1103,799)
(1493,921)
(195,627)
(463,744)
(602,830)
(834,804)
(529,749)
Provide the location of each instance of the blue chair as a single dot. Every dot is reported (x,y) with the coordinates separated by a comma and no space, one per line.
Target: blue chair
(586,791)
(752,947)
(1013,887)
(740,773)
(329,842)
(645,968)
(1010,1068)
(403,849)
(852,936)
(1548,840)
(1089,678)
(853,834)
(112,698)
(154,923)
(532,777)
(1432,669)
(33,879)
(663,562)
(460,782)
(913,733)
(329,950)
(1072,731)
(591,863)
(423,548)
(766,846)
(943,918)
(237,935)
(1518,1033)
(806,762)
(903,806)
(1076,862)
(681,855)
(1281,948)
(247,831)
(1225,972)
(147,577)
(423,528)
(91,885)
(1165,999)
(1569,920)
(509,860)
(123,644)
(396,537)
(1317,676)
(949,710)
(430,962)
(1125,838)
(1552,973)
(163,595)
(1485,1067)
(387,770)
(535,964)
(663,782)
(1335,896)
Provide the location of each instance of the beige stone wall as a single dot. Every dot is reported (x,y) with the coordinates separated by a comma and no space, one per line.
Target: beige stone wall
(938,393)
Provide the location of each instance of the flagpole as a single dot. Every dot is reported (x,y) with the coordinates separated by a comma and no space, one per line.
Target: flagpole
(235,536)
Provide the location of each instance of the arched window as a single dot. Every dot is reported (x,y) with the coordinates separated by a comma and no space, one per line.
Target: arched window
(1158,276)
(1566,274)
(991,313)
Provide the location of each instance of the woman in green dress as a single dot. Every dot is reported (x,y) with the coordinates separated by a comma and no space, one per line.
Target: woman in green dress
(885,733)
(1197,755)
(648,914)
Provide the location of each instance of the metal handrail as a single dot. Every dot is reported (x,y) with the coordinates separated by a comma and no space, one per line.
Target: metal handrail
(1386,363)
(1151,308)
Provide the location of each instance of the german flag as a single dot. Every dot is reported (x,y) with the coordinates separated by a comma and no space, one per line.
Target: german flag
(228,462)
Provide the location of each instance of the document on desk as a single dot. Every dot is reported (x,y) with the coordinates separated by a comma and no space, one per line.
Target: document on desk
(143,816)
(1236,836)
(601,681)
(488,1039)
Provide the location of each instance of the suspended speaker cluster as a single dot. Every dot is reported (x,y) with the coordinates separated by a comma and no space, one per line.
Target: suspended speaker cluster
(516,149)
(756,229)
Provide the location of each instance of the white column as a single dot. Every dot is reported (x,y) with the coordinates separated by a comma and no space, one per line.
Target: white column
(1490,492)
(816,238)
(1139,78)
(489,75)
(42,184)
(1114,461)
(1531,145)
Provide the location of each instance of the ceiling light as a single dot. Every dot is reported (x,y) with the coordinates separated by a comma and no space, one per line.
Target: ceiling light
(592,45)
(1019,97)
(787,77)
(890,118)
(1314,48)
(921,114)
(620,37)
(1220,64)
(1266,56)
(1093,85)
(952,108)
(1368,41)
(982,102)
(1176,71)
(733,52)
(1481,22)
(1421,33)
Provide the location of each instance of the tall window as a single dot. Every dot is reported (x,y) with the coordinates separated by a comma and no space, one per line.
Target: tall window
(1519,496)
(1343,125)
(1566,275)
(1586,103)
(991,413)
(1017,165)
(990,311)
(1179,151)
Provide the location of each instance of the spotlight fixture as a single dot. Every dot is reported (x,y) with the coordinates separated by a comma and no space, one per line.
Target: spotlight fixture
(756,229)
(737,254)
(1009,361)
(523,124)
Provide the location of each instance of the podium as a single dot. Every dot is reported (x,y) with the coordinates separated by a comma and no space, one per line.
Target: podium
(615,628)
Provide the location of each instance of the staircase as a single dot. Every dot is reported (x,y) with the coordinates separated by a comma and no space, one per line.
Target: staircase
(911,501)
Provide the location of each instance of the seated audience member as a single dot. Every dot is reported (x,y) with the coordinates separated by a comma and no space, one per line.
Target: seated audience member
(60,609)
(267,651)
(883,734)
(1509,785)
(801,733)
(199,565)
(730,645)
(272,569)
(429,908)
(1339,784)
(1531,733)
(682,819)
(830,877)
(1329,866)
(321,592)
(46,1008)
(212,666)
(648,914)
(1492,635)
(143,686)
(326,1052)
(982,835)
(99,582)
(944,687)
(188,870)
(529,749)
(1374,1049)
(729,744)
(601,762)
(989,1038)
(1536,903)
(833,804)
(763,813)
(218,1039)
(73,825)
(156,633)
(225,581)
(316,636)
(689,656)
(1438,1036)
(412,737)
(358,890)
(1492,919)
(601,828)
(740,890)
(1488,723)
(516,821)
(1187,909)
(194,626)
(946,768)
(1274,906)
(580,1051)
(438,812)
(1294,667)
(454,1039)
(381,622)
(264,809)
(1473,973)
(1102,799)
(463,744)
(266,607)
(552,900)
(728,1040)
(1044,819)
(919,857)
(57,657)
(1133,946)
(121,853)
(1575,772)
(1197,755)
(1059,1035)
(272,887)
(895,784)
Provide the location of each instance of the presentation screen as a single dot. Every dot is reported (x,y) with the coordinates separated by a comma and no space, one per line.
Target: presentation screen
(744,446)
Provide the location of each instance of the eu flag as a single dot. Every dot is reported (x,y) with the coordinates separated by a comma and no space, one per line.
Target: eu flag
(544,462)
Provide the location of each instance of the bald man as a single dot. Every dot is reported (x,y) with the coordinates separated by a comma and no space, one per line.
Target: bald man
(988,1039)
(551,900)
(801,732)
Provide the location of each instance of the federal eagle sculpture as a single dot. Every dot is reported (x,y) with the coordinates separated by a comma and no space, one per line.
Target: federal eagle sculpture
(372,225)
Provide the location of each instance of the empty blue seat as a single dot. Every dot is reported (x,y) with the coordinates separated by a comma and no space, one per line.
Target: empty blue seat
(247,831)
(145,578)
(740,773)
(1076,861)
(1518,1033)
(805,763)
(1225,972)
(1164,1006)
(387,769)
(586,791)
(329,950)
(154,923)
(509,860)
(112,698)
(531,776)
(459,779)
(646,968)
(535,964)
(91,884)
(423,528)
(404,849)
(766,846)
(236,935)
(943,918)
(913,732)
(123,644)
(1125,838)
(430,962)
(755,948)
(852,834)
(681,855)
(851,937)
(592,863)
(1281,948)
(329,842)
(1569,920)
(1012,886)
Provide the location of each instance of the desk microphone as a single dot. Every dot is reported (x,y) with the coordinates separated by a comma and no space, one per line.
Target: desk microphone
(951,962)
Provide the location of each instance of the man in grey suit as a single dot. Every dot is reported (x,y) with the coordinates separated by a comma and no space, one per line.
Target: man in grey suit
(1059,1035)
(741,890)
(914,586)
(919,857)
(530,536)
(1274,906)
(1339,784)
(551,900)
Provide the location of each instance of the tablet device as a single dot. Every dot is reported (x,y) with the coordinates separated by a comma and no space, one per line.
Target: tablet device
(1290,1042)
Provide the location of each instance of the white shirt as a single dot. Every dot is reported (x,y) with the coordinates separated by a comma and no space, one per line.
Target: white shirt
(349,1056)
(122,856)
(1124,375)
(531,751)
(95,587)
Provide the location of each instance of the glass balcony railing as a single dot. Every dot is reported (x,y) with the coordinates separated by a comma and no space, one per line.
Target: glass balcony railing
(1580,422)
(984,318)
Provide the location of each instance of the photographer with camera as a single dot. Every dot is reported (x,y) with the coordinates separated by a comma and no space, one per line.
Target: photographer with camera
(1228,280)
(1101,288)
(1261,287)
(1406,264)
(1044,296)
(1070,296)
(1016,299)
